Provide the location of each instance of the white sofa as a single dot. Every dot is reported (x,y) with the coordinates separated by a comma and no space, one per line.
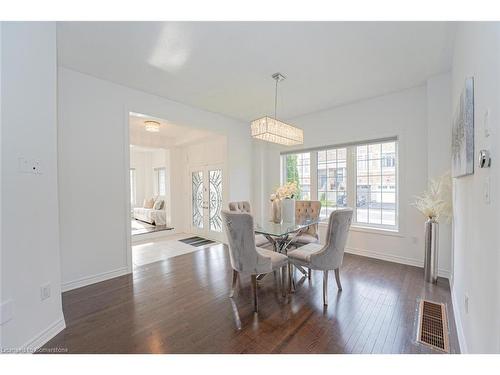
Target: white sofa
(150,215)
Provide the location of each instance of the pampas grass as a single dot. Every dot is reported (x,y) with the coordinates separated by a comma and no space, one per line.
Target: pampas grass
(435,202)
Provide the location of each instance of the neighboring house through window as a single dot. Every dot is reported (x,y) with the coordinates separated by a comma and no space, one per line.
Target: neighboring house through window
(362,176)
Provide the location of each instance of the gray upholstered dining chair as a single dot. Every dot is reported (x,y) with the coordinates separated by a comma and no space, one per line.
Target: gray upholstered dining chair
(329,256)
(246,258)
(307,210)
(244,206)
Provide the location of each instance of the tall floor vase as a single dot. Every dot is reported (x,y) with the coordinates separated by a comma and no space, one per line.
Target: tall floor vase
(431,251)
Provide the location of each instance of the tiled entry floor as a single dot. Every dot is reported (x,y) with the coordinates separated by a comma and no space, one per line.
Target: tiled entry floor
(158,249)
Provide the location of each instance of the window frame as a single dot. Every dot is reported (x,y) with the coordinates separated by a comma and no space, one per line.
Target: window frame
(157,186)
(351,186)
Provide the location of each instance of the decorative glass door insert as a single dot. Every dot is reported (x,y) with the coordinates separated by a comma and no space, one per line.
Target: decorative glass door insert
(207,196)
(215,199)
(197,199)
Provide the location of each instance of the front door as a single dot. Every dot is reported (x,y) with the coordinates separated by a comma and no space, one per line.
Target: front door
(207,192)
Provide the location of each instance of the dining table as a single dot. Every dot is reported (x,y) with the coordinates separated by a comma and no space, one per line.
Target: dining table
(282,234)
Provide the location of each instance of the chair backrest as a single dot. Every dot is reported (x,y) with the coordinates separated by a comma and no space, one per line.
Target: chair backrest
(239,229)
(331,255)
(308,210)
(242,206)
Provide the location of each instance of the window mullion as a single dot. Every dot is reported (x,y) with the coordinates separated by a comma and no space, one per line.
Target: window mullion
(314,175)
(351,179)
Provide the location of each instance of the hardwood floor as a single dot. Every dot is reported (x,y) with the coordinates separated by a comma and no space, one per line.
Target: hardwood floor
(181,305)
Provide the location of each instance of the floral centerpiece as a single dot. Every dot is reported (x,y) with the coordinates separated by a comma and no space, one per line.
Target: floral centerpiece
(435,204)
(283,204)
(287,191)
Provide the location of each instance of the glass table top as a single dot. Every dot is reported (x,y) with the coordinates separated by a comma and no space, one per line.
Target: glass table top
(284,228)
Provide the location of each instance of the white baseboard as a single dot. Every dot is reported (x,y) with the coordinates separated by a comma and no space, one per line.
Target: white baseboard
(43,337)
(84,281)
(394,258)
(458,323)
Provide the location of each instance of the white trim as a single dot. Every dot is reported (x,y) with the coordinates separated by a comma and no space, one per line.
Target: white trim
(458,323)
(393,258)
(87,280)
(128,205)
(47,334)
(374,230)
(341,145)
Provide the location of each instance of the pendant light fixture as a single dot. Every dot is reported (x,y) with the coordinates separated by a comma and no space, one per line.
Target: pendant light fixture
(273,130)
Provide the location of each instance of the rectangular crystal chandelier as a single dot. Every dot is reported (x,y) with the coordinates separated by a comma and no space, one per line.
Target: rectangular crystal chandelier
(273,130)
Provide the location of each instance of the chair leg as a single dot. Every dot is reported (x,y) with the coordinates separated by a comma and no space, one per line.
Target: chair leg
(325,287)
(283,281)
(337,278)
(233,286)
(291,278)
(309,273)
(254,289)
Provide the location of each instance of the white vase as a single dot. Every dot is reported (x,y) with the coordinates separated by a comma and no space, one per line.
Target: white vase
(288,210)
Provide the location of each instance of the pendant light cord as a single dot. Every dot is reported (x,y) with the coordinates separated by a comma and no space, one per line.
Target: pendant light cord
(276,98)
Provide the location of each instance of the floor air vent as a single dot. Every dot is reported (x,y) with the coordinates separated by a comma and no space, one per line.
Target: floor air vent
(433,326)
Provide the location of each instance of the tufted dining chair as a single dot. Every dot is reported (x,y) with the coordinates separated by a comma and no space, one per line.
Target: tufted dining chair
(329,256)
(307,210)
(246,258)
(244,206)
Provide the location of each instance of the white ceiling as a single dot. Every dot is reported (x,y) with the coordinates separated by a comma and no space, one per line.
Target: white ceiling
(170,135)
(225,67)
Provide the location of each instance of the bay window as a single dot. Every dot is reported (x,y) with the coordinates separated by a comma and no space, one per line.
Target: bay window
(361,175)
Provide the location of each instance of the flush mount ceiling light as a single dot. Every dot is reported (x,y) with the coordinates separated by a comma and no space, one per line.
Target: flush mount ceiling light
(273,130)
(152,126)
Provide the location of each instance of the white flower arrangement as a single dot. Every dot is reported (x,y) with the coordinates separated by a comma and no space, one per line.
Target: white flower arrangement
(435,202)
(289,190)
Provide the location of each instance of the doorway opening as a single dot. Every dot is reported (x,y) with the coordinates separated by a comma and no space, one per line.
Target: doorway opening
(178,186)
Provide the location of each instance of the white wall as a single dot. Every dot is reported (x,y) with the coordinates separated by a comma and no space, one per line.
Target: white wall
(141,162)
(144,162)
(476,258)
(29,201)
(402,114)
(439,149)
(93,115)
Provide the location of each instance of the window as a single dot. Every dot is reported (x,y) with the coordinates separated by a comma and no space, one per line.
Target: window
(160,181)
(298,168)
(376,184)
(132,187)
(332,179)
(362,176)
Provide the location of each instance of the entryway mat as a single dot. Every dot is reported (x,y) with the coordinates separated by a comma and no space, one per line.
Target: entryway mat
(196,241)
